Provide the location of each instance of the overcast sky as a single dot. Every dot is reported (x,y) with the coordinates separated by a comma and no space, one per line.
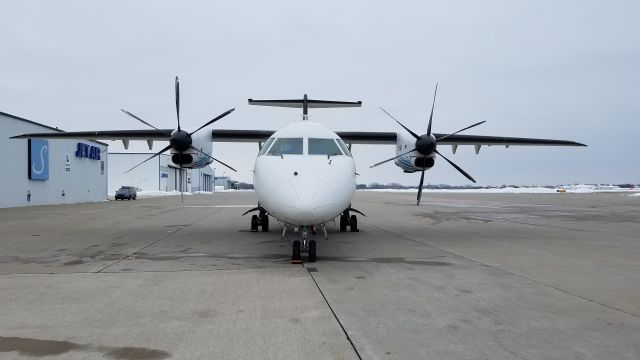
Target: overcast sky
(539,68)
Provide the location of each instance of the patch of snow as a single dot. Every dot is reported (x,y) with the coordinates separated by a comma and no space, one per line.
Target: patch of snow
(149,194)
(578,189)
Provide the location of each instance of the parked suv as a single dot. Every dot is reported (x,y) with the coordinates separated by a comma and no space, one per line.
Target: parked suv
(126,192)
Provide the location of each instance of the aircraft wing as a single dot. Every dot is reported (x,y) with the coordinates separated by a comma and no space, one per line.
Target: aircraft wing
(354,137)
(360,137)
(375,137)
(102,135)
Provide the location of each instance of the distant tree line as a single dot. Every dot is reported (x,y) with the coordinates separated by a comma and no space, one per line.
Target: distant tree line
(376,185)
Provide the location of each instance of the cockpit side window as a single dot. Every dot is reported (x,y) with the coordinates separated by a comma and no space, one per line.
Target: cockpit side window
(286,146)
(266,145)
(344,147)
(323,147)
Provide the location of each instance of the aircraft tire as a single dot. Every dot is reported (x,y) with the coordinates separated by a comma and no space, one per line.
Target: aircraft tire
(296,250)
(354,223)
(312,251)
(254,223)
(343,223)
(265,223)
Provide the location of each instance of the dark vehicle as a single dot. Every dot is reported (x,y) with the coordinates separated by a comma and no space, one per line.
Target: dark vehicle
(126,192)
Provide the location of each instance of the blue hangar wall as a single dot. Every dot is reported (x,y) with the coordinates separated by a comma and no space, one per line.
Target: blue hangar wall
(44,172)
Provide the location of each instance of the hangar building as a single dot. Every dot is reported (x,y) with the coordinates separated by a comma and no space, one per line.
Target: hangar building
(43,172)
(158,174)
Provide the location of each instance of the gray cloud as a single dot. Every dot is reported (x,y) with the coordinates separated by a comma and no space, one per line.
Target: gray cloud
(530,68)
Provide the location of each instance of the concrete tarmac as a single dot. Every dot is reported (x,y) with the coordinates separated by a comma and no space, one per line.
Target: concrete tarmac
(463,276)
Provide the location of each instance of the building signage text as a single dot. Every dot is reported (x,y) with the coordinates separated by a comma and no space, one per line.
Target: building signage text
(88,151)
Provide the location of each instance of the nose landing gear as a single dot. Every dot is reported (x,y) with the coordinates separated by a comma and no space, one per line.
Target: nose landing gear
(305,246)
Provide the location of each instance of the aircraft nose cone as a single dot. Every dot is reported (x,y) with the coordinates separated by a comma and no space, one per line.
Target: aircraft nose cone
(312,195)
(305,191)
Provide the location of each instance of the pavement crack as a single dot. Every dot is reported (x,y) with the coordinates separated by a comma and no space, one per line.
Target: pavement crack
(335,316)
(155,242)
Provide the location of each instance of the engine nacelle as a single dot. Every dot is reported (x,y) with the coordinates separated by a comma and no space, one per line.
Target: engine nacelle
(198,155)
(413,161)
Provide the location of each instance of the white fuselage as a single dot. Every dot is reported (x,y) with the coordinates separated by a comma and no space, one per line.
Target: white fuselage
(300,178)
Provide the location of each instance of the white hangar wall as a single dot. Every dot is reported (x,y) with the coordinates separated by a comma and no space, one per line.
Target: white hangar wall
(145,177)
(78,179)
(158,174)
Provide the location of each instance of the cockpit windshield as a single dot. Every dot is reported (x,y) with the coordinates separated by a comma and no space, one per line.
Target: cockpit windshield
(286,146)
(344,147)
(323,147)
(265,147)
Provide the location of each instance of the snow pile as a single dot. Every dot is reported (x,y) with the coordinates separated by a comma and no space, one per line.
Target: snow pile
(579,188)
(148,194)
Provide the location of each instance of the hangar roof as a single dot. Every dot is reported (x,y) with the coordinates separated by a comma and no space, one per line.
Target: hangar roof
(43,125)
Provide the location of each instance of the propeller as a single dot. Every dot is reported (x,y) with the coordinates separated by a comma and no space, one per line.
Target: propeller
(180,141)
(426,145)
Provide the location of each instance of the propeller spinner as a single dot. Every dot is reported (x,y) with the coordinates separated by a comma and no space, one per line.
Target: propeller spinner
(426,145)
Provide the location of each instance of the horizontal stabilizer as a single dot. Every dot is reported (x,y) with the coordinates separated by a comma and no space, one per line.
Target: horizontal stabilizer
(305,103)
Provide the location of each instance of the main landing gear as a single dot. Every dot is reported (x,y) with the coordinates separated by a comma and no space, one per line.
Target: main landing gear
(351,221)
(260,220)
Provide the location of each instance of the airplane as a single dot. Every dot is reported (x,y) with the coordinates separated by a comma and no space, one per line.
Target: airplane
(304,174)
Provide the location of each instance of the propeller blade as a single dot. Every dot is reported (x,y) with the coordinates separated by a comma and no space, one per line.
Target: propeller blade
(213,120)
(142,121)
(457,167)
(211,157)
(178,101)
(432,106)
(461,130)
(406,128)
(420,187)
(393,158)
(154,155)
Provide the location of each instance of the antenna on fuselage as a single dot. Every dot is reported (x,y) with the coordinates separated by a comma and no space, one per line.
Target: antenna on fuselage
(305,103)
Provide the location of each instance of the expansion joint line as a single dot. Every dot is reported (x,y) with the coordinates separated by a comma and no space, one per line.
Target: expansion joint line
(335,316)
(506,271)
(154,242)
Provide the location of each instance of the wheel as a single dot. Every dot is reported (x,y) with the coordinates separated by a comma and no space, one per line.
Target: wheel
(135,197)
(312,251)
(354,224)
(265,223)
(343,223)
(296,250)
(254,223)
(129,197)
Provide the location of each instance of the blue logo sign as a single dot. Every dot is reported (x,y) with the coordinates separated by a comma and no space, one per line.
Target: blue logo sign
(88,151)
(38,159)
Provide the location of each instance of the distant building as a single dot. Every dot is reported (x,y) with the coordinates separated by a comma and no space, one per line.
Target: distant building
(158,174)
(45,171)
(225,182)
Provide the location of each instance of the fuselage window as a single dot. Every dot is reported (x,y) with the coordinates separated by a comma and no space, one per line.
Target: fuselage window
(323,147)
(344,147)
(265,147)
(286,146)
